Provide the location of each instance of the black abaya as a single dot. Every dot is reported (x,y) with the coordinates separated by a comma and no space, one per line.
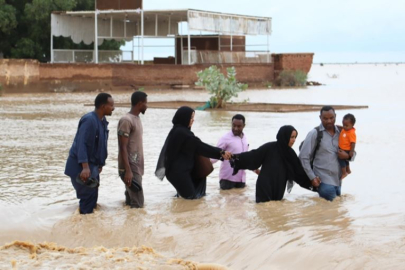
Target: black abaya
(279,164)
(180,174)
(177,158)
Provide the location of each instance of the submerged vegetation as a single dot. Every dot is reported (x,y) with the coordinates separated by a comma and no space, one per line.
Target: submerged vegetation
(291,78)
(222,88)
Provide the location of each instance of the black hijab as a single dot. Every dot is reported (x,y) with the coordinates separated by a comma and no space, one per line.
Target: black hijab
(182,117)
(175,139)
(290,159)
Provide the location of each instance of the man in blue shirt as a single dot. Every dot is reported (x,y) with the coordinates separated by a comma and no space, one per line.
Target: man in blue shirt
(88,153)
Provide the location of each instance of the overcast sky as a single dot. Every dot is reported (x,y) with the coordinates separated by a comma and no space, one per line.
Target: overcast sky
(335,30)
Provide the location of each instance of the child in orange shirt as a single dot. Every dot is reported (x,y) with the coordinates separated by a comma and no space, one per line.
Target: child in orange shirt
(347,142)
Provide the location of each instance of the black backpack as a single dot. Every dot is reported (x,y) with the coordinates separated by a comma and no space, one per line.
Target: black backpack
(318,142)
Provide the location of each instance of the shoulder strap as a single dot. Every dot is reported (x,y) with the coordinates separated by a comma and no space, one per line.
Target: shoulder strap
(319,135)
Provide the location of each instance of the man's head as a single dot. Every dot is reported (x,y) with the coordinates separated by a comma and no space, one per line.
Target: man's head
(238,124)
(139,100)
(328,117)
(104,103)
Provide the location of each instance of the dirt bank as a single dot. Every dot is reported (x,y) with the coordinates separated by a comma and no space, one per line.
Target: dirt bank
(244,107)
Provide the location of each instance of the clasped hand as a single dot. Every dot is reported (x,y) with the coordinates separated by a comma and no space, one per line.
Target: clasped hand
(343,155)
(316,181)
(227,155)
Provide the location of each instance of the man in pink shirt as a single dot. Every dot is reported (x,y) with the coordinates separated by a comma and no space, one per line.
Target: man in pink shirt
(235,142)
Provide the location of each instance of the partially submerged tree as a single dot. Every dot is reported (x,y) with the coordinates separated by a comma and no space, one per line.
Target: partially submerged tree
(221,88)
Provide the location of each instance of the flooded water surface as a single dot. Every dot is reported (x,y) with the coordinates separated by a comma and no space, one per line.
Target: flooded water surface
(365,228)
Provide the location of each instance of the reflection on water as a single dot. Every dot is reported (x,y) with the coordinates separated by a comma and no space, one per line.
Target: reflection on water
(363,229)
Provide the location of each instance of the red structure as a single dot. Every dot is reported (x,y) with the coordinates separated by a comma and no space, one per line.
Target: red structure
(29,75)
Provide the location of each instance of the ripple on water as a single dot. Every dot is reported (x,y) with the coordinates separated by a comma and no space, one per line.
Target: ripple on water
(363,229)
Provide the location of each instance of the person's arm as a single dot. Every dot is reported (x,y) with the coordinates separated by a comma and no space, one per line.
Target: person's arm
(306,152)
(85,174)
(123,146)
(343,154)
(352,139)
(221,144)
(302,179)
(124,129)
(206,150)
(352,146)
(253,159)
(85,139)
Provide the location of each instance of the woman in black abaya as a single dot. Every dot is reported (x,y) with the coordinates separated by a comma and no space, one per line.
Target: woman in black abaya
(177,158)
(279,163)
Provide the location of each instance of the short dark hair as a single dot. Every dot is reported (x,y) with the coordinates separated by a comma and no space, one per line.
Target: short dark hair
(327,109)
(350,117)
(239,117)
(138,96)
(101,99)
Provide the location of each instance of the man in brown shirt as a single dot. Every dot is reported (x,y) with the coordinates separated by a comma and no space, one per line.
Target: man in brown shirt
(130,152)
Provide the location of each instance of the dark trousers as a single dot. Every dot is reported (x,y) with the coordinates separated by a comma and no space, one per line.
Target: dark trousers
(344,162)
(226,184)
(134,199)
(188,187)
(87,196)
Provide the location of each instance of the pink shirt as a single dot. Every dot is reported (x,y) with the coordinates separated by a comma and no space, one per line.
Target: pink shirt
(235,145)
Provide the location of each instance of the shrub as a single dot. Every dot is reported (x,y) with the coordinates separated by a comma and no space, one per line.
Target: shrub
(268,84)
(221,88)
(292,78)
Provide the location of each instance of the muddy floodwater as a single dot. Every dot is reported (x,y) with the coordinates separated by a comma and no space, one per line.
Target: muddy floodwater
(364,229)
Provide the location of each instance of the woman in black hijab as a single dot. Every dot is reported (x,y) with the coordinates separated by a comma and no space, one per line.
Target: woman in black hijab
(279,163)
(177,158)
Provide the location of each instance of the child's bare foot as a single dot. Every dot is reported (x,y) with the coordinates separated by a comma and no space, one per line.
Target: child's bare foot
(344,173)
(348,170)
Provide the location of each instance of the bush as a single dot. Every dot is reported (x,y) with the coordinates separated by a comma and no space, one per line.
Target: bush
(268,84)
(290,78)
(221,88)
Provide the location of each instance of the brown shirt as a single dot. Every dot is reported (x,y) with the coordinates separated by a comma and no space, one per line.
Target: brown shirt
(130,126)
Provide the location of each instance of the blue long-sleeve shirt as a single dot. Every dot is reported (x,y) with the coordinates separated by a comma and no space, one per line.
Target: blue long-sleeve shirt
(89,144)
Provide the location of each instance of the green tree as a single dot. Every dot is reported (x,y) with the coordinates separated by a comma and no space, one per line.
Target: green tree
(8,19)
(8,22)
(221,88)
(25,28)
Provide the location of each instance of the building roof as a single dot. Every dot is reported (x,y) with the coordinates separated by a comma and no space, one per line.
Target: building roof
(124,24)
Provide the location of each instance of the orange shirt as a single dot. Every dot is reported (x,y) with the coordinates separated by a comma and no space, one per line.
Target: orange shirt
(346,138)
